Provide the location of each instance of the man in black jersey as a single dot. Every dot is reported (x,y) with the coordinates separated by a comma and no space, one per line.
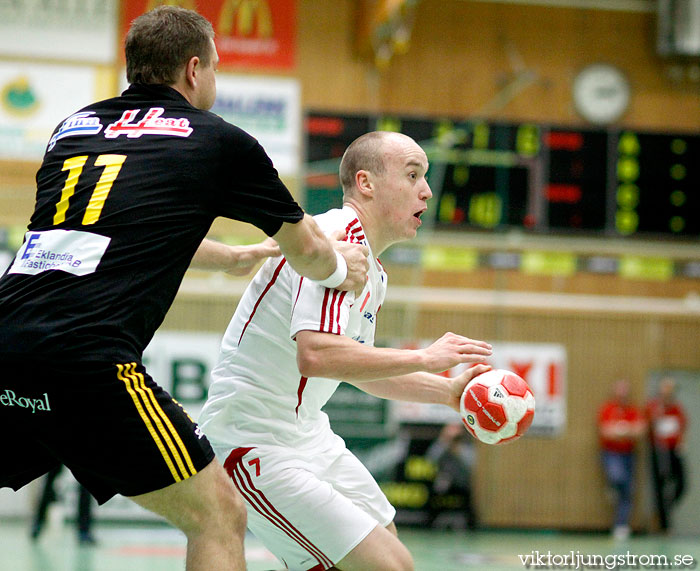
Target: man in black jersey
(126,193)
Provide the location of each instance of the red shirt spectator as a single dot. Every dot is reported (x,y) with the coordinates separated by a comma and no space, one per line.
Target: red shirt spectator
(620,423)
(619,426)
(667,424)
(667,420)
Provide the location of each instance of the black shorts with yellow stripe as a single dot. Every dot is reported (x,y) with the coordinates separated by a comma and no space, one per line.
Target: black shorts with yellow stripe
(110,424)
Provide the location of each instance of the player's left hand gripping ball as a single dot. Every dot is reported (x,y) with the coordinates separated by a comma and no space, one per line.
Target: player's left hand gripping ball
(497,407)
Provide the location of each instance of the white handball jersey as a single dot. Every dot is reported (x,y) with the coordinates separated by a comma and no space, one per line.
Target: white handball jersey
(257,395)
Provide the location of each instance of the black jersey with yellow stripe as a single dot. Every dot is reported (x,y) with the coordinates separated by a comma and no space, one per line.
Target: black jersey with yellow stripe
(127,190)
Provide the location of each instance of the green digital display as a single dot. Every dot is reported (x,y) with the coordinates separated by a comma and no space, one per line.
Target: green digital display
(497,176)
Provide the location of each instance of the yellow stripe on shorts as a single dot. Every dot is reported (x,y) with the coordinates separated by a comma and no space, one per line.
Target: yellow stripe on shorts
(184,454)
(124,374)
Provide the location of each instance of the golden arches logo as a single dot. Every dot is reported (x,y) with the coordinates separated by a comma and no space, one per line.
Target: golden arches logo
(246,18)
(189,4)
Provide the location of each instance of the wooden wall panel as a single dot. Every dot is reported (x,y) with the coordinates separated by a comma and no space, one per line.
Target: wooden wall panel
(17,192)
(579,283)
(462,54)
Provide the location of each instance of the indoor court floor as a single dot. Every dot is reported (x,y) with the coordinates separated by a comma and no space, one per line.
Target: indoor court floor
(159,548)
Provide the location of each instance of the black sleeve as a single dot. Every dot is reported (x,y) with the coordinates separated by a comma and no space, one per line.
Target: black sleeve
(251,189)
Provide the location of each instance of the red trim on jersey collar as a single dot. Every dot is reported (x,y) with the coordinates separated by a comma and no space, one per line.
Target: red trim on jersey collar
(354,231)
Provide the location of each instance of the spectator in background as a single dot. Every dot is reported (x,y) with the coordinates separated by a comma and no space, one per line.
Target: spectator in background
(48,496)
(667,426)
(453,453)
(620,425)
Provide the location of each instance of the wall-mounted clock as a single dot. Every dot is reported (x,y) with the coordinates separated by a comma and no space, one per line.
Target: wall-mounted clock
(601,93)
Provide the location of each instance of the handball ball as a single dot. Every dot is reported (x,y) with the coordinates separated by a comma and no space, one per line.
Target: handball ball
(497,407)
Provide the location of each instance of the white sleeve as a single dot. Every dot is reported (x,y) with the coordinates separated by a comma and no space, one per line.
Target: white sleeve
(317,308)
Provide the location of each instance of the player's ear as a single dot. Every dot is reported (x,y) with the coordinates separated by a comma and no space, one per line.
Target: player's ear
(192,71)
(364,183)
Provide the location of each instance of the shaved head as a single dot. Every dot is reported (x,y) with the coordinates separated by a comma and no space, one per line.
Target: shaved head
(364,153)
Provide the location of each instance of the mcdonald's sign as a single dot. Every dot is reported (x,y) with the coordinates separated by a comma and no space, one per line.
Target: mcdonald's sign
(249,33)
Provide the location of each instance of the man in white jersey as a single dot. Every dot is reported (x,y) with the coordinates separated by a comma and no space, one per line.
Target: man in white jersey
(289,345)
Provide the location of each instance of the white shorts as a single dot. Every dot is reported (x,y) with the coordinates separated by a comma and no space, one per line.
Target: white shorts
(309,510)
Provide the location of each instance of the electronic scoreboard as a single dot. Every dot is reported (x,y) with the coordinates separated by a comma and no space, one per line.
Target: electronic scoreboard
(496,176)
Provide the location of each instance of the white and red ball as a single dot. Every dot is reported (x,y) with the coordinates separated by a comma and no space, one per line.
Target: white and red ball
(497,407)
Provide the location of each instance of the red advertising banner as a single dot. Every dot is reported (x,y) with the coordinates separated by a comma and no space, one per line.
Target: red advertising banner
(249,33)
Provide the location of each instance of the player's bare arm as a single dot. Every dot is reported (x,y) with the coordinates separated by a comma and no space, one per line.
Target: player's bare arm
(235,260)
(424,387)
(338,357)
(312,254)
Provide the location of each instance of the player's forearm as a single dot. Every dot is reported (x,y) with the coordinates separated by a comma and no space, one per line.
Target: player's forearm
(337,357)
(321,354)
(212,255)
(238,260)
(413,387)
(307,249)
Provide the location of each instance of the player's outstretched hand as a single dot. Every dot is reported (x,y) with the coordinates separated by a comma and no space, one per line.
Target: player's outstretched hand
(452,349)
(460,382)
(245,258)
(356,258)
